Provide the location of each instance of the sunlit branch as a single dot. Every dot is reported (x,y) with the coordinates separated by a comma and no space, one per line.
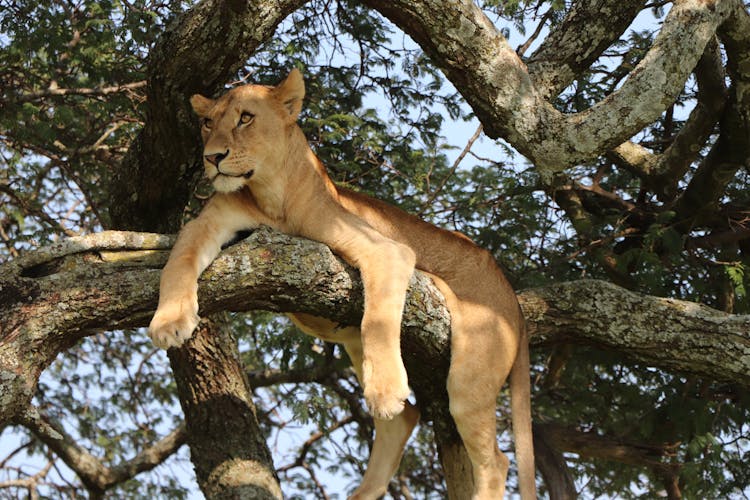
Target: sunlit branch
(54,91)
(573,45)
(31,483)
(31,337)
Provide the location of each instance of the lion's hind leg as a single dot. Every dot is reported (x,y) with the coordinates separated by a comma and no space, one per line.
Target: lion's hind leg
(390,440)
(483,349)
(472,393)
(390,435)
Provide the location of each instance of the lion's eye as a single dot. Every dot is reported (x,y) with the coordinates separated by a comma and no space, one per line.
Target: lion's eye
(246,118)
(207,123)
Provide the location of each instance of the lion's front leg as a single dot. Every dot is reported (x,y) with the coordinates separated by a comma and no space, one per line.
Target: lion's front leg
(177,314)
(198,244)
(386,270)
(386,266)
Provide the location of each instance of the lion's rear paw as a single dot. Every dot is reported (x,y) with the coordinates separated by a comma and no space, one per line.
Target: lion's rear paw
(172,325)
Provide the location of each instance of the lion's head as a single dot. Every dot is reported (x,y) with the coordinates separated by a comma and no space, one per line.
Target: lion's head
(245,131)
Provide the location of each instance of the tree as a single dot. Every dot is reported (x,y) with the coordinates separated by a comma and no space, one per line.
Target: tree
(636,142)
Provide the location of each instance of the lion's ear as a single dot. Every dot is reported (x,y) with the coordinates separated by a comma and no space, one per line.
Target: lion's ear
(201,105)
(291,92)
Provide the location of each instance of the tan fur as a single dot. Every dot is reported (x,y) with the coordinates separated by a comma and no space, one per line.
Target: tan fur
(253,128)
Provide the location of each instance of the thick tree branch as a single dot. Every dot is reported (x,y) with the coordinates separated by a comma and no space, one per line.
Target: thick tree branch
(551,464)
(683,336)
(573,45)
(52,297)
(731,152)
(672,165)
(662,172)
(479,62)
(550,440)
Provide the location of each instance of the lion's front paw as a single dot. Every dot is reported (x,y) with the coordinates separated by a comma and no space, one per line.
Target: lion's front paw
(173,323)
(386,390)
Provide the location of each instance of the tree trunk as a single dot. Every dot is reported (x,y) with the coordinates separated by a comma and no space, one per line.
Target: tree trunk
(457,468)
(227,447)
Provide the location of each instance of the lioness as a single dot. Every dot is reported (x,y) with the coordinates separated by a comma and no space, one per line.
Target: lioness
(264,172)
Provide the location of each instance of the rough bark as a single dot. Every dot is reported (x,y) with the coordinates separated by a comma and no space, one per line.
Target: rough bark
(662,172)
(52,297)
(731,152)
(589,27)
(684,337)
(216,399)
(465,44)
(456,465)
(553,467)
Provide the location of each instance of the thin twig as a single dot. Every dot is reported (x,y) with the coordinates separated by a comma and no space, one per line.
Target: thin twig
(300,460)
(89,92)
(523,48)
(460,158)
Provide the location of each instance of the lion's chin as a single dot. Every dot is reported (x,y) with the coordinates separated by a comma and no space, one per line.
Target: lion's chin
(226,184)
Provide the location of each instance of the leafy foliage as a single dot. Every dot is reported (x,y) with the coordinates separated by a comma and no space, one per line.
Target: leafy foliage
(383,119)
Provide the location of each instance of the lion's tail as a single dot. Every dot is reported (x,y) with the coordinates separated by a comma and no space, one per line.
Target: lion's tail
(520,403)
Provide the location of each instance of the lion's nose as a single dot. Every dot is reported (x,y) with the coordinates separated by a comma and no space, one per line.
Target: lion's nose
(215,159)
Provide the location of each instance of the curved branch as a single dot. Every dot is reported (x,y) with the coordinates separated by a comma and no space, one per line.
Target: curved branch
(495,82)
(662,172)
(97,476)
(672,165)
(47,302)
(573,45)
(657,80)
(731,152)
